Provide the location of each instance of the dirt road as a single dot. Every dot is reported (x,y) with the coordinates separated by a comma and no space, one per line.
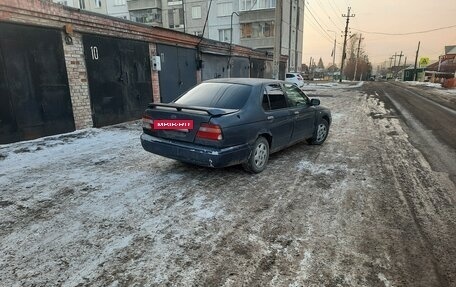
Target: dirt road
(365,209)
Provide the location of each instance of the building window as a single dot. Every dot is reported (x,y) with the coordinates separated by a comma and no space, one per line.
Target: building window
(257,30)
(246,5)
(224,9)
(176,18)
(82,4)
(147,16)
(97,3)
(196,12)
(246,30)
(119,2)
(268,29)
(225,35)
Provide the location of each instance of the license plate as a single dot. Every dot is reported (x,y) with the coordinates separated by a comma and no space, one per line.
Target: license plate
(183,125)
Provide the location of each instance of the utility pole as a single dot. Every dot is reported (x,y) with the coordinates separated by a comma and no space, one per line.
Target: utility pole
(399,64)
(416,61)
(391,67)
(345,41)
(334,49)
(357,56)
(400,57)
(277,40)
(310,67)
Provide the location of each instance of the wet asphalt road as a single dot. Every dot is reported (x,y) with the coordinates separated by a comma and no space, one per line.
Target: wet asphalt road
(430,118)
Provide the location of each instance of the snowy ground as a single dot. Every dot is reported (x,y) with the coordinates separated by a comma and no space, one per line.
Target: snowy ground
(318,85)
(92,208)
(436,88)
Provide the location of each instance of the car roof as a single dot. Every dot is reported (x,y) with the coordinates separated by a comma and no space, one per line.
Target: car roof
(244,81)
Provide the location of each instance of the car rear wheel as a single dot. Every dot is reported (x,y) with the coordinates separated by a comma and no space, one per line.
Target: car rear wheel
(259,156)
(320,134)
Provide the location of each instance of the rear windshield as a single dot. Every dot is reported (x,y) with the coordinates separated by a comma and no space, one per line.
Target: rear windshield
(216,95)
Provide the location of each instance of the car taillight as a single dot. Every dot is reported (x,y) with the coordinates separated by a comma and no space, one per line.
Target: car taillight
(147,123)
(210,132)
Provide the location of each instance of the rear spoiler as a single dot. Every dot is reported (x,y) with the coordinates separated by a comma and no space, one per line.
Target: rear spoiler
(209,111)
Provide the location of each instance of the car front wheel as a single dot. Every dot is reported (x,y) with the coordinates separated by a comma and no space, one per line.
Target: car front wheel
(259,156)
(320,134)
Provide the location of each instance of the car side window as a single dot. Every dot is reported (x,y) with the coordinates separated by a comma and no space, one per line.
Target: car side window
(295,96)
(273,98)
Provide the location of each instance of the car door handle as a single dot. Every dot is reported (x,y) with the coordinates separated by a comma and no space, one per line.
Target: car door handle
(296,112)
(270,117)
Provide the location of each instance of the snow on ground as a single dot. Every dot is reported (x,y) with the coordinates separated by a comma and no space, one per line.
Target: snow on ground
(436,87)
(313,85)
(93,208)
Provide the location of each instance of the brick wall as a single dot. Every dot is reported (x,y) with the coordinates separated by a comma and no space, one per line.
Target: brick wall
(77,80)
(155,78)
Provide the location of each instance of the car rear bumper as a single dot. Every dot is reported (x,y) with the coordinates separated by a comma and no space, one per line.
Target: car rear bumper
(196,154)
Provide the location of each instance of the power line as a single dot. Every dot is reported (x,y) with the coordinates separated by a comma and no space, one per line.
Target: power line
(336,12)
(317,30)
(323,29)
(324,10)
(205,23)
(337,7)
(409,33)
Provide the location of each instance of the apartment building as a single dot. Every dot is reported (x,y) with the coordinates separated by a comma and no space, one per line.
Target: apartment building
(162,13)
(115,8)
(249,23)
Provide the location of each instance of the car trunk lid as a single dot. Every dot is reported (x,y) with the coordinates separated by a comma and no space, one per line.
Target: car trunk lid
(199,116)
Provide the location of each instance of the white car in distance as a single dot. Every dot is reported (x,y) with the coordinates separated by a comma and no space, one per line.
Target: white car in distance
(295,78)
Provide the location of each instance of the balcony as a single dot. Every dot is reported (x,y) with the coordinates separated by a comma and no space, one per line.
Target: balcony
(143,4)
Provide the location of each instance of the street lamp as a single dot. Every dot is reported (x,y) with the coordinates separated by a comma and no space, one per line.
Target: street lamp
(231,43)
(231,26)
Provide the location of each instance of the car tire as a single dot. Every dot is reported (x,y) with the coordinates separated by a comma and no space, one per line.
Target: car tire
(258,157)
(320,134)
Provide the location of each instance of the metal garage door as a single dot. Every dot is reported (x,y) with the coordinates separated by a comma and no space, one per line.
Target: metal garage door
(240,67)
(214,66)
(178,71)
(34,93)
(119,75)
(257,68)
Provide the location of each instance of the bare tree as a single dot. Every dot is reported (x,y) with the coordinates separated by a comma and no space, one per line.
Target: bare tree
(364,67)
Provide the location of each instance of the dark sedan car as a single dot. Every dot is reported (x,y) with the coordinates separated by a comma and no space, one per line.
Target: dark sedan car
(225,122)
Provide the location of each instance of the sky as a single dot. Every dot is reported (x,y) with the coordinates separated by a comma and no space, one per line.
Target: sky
(371,17)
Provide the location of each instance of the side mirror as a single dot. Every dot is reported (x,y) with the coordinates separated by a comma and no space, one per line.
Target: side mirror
(314,102)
